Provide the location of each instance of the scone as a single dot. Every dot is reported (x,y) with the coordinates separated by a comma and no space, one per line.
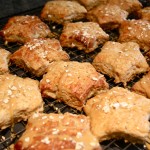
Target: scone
(63,11)
(120,61)
(108,16)
(89,4)
(36,55)
(72,82)
(119,113)
(85,36)
(4,61)
(144,13)
(24,28)
(137,31)
(56,132)
(143,86)
(19,98)
(128,5)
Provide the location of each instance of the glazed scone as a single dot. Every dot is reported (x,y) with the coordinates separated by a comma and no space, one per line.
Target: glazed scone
(63,11)
(19,98)
(36,55)
(24,28)
(72,82)
(128,5)
(137,31)
(144,13)
(108,16)
(119,113)
(58,131)
(4,61)
(143,86)
(85,36)
(120,61)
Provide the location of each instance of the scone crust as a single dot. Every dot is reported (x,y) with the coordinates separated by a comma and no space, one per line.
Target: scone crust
(108,16)
(24,28)
(144,13)
(136,31)
(120,61)
(72,82)
(85,36)
(63,11)
(18,99)
(4,61)
(58,131)
(143,86)
(130,6)
(36,55)
(119,113)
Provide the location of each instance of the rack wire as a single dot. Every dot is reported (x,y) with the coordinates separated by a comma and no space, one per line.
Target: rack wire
(12,134)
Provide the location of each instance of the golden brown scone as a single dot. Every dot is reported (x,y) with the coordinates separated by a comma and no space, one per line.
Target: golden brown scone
(72,82)
(63,11)
(89,4)
(37,54)
(143,86)
(128,5)
(144,13)
(137,31)
(18,99)
(120,61)
(83,35)
(108,16)
(119,113)
(58,131)
(4,61)
(24,28)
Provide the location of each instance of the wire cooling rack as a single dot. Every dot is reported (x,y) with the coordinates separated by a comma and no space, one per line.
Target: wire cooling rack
(12,134)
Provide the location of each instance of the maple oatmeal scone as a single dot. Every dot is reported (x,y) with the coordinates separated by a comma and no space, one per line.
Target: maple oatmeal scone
(143,86)
(4,60)
(137,31)
(58,131)
(144,13)
(72,82)
(122,61)
(108,16)
(63,11)
(24,28)
(36,55)
(19,98)
(119,113)
(85,36)
(128,5)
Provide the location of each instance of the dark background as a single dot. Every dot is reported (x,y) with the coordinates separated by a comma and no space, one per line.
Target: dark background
(12,7)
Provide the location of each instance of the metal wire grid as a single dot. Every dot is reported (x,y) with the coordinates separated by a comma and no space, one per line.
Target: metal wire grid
(12,134)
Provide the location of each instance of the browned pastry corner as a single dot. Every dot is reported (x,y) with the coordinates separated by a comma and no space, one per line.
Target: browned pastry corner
(63,11)
(24,28)
(72,82)
(144,13)
(19,98)
(85,36)
(4,61)
(143,86)
(118,113)
(58,131)
(108,16)
(120,61)
(128,5)
(36,55)
(137,31)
